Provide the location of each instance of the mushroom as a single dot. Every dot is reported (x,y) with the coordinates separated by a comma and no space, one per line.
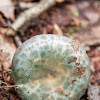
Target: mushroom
(50,67)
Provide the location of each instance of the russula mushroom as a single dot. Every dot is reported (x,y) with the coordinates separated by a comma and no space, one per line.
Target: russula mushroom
(50,67)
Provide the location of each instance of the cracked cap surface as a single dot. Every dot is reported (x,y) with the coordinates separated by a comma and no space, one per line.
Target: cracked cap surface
(50,67)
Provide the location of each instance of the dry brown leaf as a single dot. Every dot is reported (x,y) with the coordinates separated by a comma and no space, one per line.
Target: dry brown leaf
(7,50)
(90,39)
(7,8)
(89,14)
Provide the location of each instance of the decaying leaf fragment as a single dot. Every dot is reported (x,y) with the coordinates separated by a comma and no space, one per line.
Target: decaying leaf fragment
(7,9)
(7,51)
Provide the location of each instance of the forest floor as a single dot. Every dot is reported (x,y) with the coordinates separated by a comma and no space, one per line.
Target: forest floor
(79,20)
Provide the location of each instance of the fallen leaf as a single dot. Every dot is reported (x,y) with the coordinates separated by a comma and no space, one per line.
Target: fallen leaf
(90,39)
(7,8)
(89,14)
(94,57)
(7,50)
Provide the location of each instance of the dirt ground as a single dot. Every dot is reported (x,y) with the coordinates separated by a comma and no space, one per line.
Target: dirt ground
(76,19)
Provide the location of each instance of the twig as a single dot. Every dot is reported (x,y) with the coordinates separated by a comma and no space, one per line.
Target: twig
(17,40)
(29,14)
(7,86)
(24,5)
(4,77)
(57,30)
(3,83)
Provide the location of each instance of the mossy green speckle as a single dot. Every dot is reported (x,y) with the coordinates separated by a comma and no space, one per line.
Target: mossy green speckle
(50,67)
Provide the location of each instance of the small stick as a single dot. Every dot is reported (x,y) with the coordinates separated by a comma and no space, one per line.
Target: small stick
(17,40)
(25,5)
(7,86)
(29,14)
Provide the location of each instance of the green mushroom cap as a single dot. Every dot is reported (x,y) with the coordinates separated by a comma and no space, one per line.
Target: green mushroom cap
(50,67)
